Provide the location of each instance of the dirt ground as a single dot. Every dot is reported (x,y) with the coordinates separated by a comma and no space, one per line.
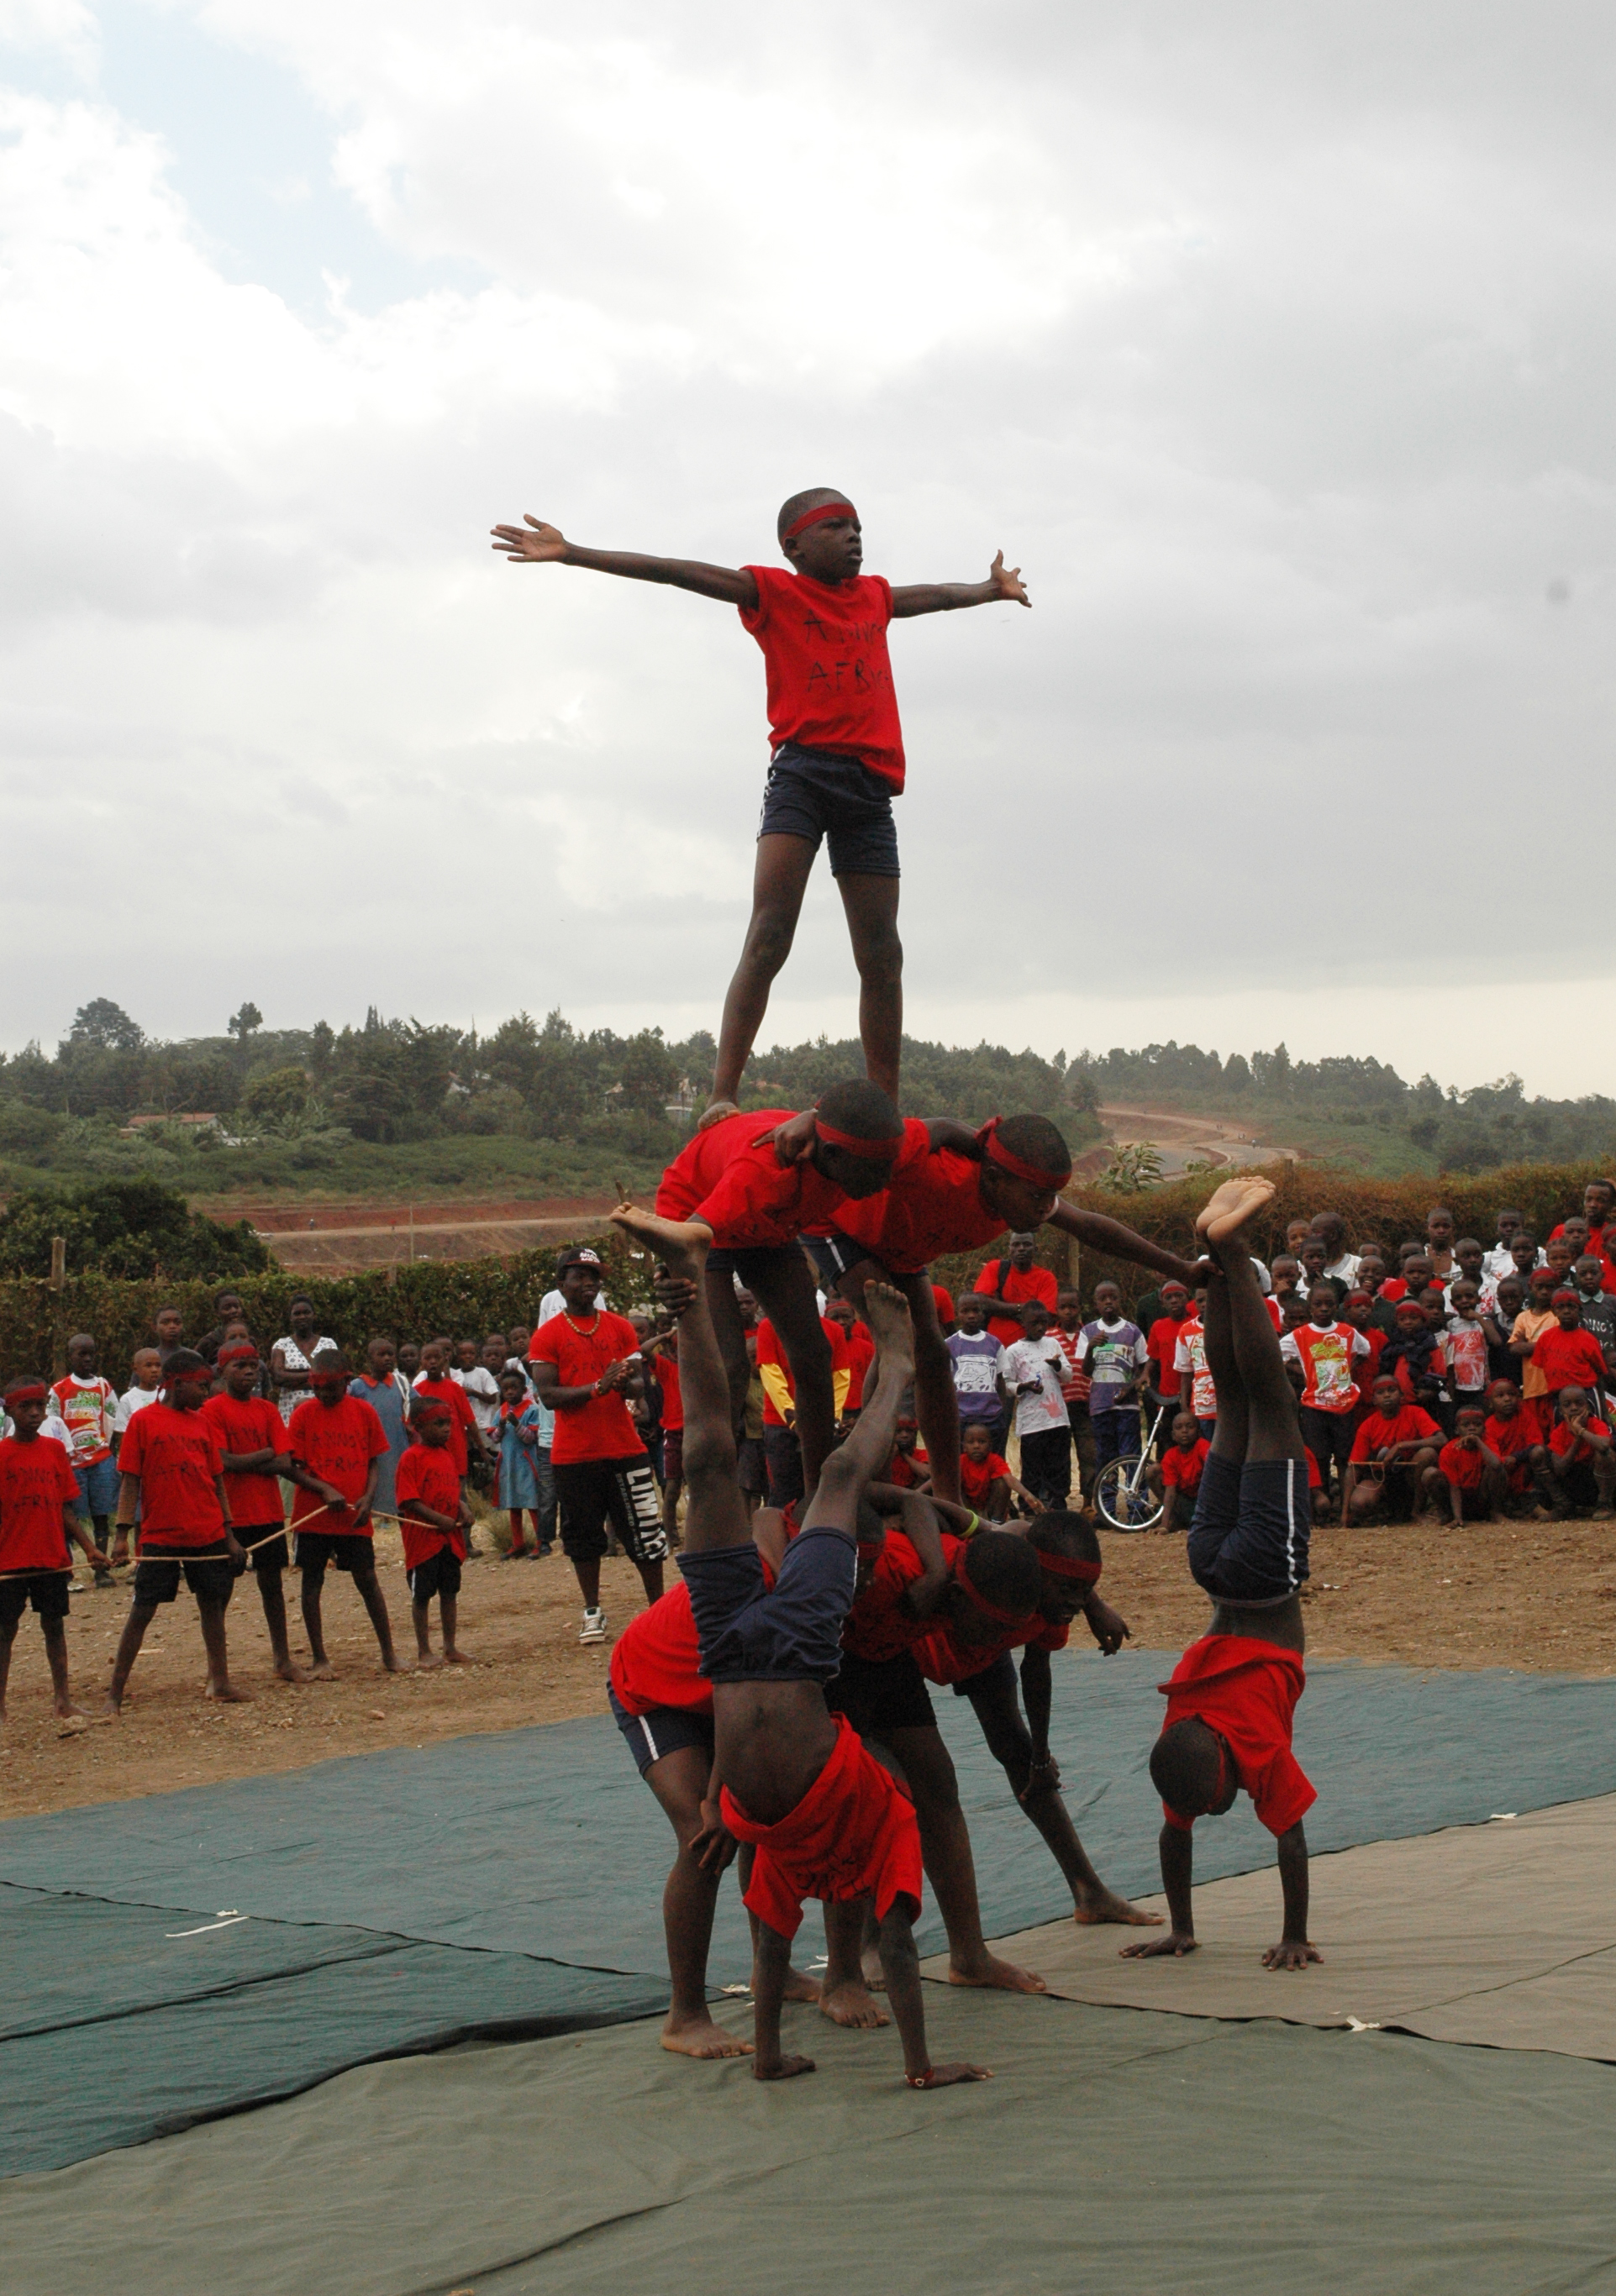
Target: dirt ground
(1540,1597)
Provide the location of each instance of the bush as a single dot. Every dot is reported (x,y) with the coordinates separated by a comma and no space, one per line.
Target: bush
(129,1228)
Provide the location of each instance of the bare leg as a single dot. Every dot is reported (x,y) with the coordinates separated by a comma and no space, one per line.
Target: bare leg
(725,1309)
(448,1607)
(426,1657)
(7,1637)
(779,880)
(871,905)
(844,1998)
(1010,1743)
(272,1594)
(945,1847)
(788,1300)
(1273,1428)
(936,1406)
(679,1781)
(314,1626)
(586,1571)
(651,1579)
(211,1617)
(141,1615)
(56,1659)
(869,1447)
(370,1593)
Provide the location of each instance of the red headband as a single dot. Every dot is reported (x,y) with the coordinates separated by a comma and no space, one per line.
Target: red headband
(244,1351)
(1067,1566)
(984,1602)
(814,517)
(180,1378)
(995,1152)
(1565,1292)
(882,1149)
(35,1393)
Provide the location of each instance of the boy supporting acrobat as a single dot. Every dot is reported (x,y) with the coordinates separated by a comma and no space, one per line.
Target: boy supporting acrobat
(838,757)
(826,1819)
(1233,1694)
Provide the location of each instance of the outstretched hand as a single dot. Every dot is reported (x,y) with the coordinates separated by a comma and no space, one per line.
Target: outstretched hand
(1007,580)
(533,540)
(1109,1627)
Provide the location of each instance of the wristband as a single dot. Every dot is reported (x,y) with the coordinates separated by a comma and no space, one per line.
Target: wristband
(973,1527)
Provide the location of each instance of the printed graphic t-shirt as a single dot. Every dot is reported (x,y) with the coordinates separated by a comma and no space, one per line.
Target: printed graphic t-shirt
(825,652)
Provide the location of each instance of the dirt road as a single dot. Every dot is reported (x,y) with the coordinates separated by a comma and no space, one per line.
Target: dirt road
(1187,1139)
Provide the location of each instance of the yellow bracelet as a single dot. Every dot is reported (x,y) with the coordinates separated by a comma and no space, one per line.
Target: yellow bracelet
(976,1525)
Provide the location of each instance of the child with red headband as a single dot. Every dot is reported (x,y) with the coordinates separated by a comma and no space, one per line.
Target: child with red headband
(1233,1694)
(826,1818)
(336,1441)
(838,758)
(38,1515)
(254,1454)
(957,1194)
(757,1181)
(170,1463)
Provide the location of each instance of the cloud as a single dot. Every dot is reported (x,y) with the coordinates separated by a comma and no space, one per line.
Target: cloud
(1277,357)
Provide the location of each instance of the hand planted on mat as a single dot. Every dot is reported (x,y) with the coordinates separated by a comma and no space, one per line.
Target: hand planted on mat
(782,2068)
(1176,1942)
(714,1846)
(1291,1953)
(1109,1627)
(946,2076)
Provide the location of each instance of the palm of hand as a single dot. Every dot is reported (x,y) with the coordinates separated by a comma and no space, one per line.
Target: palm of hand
(533,540)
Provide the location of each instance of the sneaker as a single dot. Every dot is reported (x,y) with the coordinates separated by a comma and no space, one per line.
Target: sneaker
(593,1628)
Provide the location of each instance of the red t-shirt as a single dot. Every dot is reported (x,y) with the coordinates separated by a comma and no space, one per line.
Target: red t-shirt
(1572,1359)
(666,1368)
(450,1393)
(1160,1343)
(336,1441)
(176,1454)
(1508,1438)
(429,1475)
(852,1835)
(1564,1441)
(254,1425)
(600,1428)
(860,1354)
(943,1301)
(977,1478)
(1392,1288)
(944,1661)
(771,1350)
(1377,1434)
(731,1177)
(1328,1355)
(877,1627)
(1369,1372)
(657,1661)
(1020,1283)
(35,1481)
(1247,1691)
(1463,1467)
(1182,1470)
(830,683)
(933,1206)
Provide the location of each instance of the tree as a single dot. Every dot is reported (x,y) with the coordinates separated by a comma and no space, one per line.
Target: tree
(243,1022)
(106,1026)
(279,1097)
(129,1228)
(649,1075)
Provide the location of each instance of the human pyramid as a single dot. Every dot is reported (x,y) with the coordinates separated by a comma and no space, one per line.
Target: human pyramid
(776,1699)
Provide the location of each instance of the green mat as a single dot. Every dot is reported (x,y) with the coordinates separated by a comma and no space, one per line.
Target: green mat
(1115,2151)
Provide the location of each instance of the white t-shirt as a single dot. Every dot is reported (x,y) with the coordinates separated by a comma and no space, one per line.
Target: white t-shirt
(1190,1355)
(1344,1270)
(1042,1360)
(553,1304)
(482,1393)
(51,1424)
(132,1399)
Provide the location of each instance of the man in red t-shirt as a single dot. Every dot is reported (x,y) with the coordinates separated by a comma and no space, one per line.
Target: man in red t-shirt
(584,1362)
(336,1441)
(837,754)
(38,1503)
(254,1454)
(955,1191)
(169,1466)
(1005,1282)
(1231,1698)
(825,1819)
(758,1181)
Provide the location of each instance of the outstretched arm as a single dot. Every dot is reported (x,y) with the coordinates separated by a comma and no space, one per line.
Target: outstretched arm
(943,597)
(539,545)
(1110,1236)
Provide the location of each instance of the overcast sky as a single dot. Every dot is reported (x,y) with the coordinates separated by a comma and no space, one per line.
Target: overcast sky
(1274,344)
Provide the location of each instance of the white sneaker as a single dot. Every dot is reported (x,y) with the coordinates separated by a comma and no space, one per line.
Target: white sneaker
(593,1628)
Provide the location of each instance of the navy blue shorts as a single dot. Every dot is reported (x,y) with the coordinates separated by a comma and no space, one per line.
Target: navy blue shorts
(663,1731)
(750,1261)
(834,1256)
(1253,1519)
(820,793)
(882,1694)
(790,1632)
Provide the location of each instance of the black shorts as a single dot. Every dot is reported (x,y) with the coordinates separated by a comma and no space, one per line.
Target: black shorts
(750,1261)
(998,1678)
(752,1466)
(440,1574)
(663,1731)
(346,1550)
(836,1256)
(1253,1520)
(591,1492)
(274,1555)
(209,1573)
(47,1590)
(822,793)
(790,1632)
(882,1694)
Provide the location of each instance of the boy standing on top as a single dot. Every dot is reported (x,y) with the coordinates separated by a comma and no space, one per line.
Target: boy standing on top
(1233,1694)
(838,749)
(38,1514)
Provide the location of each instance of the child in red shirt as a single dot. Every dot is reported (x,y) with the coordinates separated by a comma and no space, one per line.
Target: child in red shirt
(837,754)
(38,1515)
(1469,1471)
(1233,1695)
(1581,1463)
(169,1466)
(1395,1446)
(336,1439)
(1514,1438)
(986,1483)
(1183,1463)
(1565,1355)
(825,1819)
(430,1511)
(254,1454)
(433,1382)
(1161,1341)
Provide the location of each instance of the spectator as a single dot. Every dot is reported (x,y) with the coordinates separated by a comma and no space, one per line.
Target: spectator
(228,1309)
(1535,1318)
(1161,1343)
(1183,1463)
(1340,1266)
(1328,1351)
(520,1426)
(1112,1351)
(1067,1331)
(146,1385)
(87,1405)
(1189,1361)
(1033,1371)
(384,1387)
(1003,1284)
(291,1359)
(1507,1225)
(974,1353)
(1439,1240)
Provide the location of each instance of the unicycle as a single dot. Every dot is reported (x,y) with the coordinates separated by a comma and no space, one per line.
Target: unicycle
(1122,1492)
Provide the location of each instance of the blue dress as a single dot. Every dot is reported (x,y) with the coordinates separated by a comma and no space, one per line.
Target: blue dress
(518,1462)
(386,1400)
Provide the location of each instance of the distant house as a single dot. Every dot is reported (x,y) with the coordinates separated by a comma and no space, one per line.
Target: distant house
(201,1119)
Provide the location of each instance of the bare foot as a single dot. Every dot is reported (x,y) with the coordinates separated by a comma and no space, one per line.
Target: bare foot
(681,1245)
(322,1670)
(886,1312)
(1095,1907)
(391,1663)
(1230,1207)
(874,1976)
(289,1670)
(458,1657)
(715,1115)
(850,2004)
(783,2069)
(799,1985)
(227,1694)
(111,1709)
(64,1707)
(947,2076)
(428,1662)
(1004,1975)
(700,2038)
